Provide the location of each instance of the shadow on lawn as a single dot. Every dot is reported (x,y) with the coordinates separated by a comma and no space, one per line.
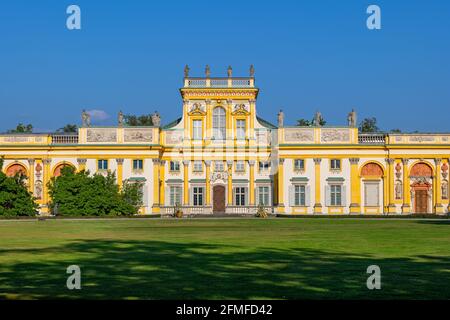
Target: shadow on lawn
(163,270)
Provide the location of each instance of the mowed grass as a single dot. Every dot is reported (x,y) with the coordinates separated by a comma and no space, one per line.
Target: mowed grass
(225,258)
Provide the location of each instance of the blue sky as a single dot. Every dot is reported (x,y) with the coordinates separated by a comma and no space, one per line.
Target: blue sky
(308,55)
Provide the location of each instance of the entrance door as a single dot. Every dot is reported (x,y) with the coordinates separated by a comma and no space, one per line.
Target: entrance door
(421,201)
(218,199)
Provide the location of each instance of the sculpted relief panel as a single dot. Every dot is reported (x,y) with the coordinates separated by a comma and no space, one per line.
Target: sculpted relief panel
(263,137)
(102,135)
(299,135)
(138,135)
(334,135)
(174,137)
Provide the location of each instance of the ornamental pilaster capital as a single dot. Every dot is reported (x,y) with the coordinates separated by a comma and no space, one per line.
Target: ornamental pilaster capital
(354,160)
(229,163)
(390,161)
(229,101)
(31,161)
(119,161)
(438,161)
(47,161)
(162,162)
(155,161)
(81,160)
(317,160)
(185,162)
(208,102)
(252,101)
(208,163)
(251,163)
(281,160)
(405,161)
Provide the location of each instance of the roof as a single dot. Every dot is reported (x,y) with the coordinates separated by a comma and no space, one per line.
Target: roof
(265,123)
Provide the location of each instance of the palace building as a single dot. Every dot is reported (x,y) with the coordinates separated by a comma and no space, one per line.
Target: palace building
(221,157)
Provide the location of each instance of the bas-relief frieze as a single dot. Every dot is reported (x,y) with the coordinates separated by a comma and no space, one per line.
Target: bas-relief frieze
(420,139)
(101,135)
(298,135)
(173,136)
(138,135)
(334,135)
(263,137)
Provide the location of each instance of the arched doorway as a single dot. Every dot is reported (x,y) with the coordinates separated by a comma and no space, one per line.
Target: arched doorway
(218,199)
(421,178)
(373,185)
(59,167)
(16,168)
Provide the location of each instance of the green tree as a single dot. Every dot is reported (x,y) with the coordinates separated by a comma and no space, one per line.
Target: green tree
(396,131)
(368,125)
(68,128)
(80,194)
(134,121)
(303,123)
(21,128)
(15,199)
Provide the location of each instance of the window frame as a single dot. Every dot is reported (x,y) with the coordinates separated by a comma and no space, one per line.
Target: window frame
(139,168)
(195,164)
(265,194)
(173,166)
(236,168)
(240,196)
(198,196)
(302,167)
(334,167)
(219,124)
(100,167)
(173,195)
(197,131)
(333,199)
(241,132)
(299,201)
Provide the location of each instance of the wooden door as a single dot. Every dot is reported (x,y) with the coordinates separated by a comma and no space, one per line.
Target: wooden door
(218,199)
(421,201)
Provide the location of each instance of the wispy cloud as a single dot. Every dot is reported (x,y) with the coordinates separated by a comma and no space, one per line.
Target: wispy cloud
(98,115)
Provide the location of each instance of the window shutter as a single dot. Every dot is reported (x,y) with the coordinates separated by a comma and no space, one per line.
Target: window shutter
(327,196)
(291,195)
(308,196)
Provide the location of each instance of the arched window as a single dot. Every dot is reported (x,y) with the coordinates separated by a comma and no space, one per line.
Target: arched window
(219,123)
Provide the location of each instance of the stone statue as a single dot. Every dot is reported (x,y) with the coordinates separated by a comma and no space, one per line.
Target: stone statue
(444,190)
(398,190)
(230,71)
(252,71)
(38,189)
(351,118)
(280,119)
(186,71)
(156,119)
(120,119)
(317,119)
(207,71)
(86,119)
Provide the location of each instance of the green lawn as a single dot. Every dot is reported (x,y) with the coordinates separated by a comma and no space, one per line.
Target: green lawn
(225,259)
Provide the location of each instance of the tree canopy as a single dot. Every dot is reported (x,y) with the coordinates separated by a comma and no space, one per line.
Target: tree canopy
(368,125)
(22,128)
(134,121)
(81,194)
(68,128)
(308,123)
(15,199)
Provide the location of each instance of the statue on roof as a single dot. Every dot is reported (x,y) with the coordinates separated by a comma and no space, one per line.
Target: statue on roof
(280,119)
(207,71)
(156,119)
(120,118)
(186,71)
(351,118)
(252,71)
(86,119)
(230,71)
(317,119)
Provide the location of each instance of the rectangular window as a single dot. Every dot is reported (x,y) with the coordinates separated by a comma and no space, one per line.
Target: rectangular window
(138,165)
(240,166)
(198,166)
(335,164)
(240,129)
(175,195)
(263,195)
(102,164)
(174,166)
(264,165)
(218,166)
(239,193)
(299,164)
(336,195)
(197,130)
(198,196)
(299,195)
